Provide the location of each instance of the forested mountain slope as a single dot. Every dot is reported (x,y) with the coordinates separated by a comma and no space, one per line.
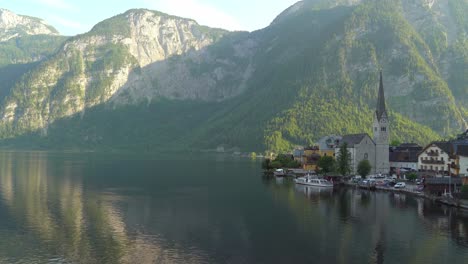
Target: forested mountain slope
(147,80)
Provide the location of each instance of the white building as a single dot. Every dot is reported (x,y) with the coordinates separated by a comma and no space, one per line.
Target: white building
(435,158)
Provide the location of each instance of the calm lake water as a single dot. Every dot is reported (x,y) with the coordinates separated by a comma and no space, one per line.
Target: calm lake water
(96,208)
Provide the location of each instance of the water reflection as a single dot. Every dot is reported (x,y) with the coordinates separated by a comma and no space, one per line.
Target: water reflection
(57,208)
(60,221)
(377,227)
(314,192)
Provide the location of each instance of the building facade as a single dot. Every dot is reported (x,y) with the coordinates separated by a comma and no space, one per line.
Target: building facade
(404,157)
(434,160)
(459,164)
(375,149)
(360,147)
(381,129)
(311,158)
(328,145)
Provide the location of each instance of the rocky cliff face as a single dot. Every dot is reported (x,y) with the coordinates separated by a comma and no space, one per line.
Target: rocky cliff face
(13,25)
(133,57)
(312,72)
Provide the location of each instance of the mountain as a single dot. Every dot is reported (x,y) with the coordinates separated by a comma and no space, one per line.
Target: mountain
(14,25)
(148,80)
(24,41)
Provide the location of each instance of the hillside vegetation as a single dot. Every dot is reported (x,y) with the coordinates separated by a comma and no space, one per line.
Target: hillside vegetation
(145,80)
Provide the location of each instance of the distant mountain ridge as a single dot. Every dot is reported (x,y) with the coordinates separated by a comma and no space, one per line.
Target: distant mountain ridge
(312,72)
(13,25)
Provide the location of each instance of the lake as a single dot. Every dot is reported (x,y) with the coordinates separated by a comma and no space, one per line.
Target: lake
(109,208)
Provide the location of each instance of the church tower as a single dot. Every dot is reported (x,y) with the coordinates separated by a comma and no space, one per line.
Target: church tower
(381,133)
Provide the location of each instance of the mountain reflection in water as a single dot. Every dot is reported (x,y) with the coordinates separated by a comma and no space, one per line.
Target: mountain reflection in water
(103,208)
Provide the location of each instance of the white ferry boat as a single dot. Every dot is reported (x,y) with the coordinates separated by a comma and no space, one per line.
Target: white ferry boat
(313,181)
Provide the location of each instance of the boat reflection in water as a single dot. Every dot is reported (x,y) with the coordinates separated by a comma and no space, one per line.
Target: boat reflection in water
(313,191)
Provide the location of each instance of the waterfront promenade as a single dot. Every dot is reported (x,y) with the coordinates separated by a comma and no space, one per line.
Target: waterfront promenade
(412,189)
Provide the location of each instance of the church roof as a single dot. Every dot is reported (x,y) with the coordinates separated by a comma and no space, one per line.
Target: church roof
(381,108)
(354,139)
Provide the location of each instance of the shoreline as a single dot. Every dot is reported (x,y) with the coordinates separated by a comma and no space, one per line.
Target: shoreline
(442,200)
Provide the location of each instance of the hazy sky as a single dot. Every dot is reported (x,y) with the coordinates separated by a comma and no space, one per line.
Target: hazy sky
(71,17)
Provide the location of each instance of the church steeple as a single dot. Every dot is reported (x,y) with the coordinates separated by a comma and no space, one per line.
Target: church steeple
(381,109)
(381,133)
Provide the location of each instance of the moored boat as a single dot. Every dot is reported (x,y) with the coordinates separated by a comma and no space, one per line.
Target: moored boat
(280,173)
(313,181)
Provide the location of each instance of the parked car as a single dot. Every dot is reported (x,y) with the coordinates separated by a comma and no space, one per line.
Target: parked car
(400,185)
(356,178)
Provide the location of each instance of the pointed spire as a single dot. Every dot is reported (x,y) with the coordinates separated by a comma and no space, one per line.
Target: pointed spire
(381,100)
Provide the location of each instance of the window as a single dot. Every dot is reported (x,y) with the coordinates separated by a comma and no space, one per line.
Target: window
(366,156)
(384,129)
(375,128)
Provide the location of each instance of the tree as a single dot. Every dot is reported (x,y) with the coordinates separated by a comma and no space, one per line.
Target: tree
(395,143)
(326,164)
(344,160)
(364,168)
(412,176)
(266,164)
(464,192)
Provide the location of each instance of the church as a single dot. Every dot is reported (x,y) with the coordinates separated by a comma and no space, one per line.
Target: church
(375,149)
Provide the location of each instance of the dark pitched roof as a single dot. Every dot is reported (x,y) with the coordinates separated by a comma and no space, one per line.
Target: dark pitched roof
(445,146)
(444,180)
(404,155)
(354,139)
(381,109)
(462,150)
(409,146)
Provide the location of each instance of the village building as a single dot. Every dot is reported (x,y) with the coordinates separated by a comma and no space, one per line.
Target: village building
(298,154)
(404,157)
(328,144)
(360,147)
(310,158)
(434,159)
(459,161)
(375,149)
(440,185)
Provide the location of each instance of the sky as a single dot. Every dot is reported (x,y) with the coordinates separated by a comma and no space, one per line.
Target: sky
(71,17)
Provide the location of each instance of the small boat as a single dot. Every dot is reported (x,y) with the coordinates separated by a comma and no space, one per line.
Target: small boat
(279,173)
(313,181)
